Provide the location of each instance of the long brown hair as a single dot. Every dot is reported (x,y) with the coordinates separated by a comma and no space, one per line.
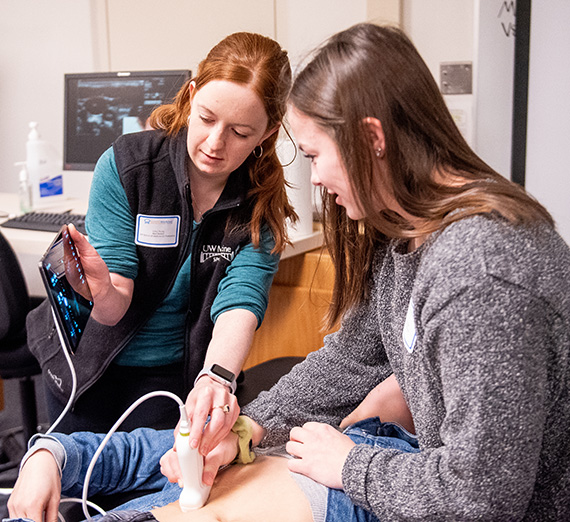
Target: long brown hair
(373,71)
(258,62)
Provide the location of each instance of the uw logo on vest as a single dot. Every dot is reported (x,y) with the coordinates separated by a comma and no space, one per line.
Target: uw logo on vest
(214,253)
(58,381)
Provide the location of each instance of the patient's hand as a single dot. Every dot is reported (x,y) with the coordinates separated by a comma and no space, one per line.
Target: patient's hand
(170,468)
(224,453)
(385,401)
(38,489)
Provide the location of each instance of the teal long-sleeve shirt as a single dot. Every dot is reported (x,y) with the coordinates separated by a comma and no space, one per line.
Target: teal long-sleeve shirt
(111,230)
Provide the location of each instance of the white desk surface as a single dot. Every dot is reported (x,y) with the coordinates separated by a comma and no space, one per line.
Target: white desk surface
(29,245)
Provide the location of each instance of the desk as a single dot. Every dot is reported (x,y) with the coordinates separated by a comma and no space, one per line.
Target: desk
(29,245)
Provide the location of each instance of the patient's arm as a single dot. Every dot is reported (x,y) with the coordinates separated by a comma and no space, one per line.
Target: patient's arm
(385,401)
(260,492)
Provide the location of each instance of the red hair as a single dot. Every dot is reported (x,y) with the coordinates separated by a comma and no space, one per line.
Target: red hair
(258,62)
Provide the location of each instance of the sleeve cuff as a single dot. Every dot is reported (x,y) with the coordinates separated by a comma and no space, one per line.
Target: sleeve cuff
(353,479)
(45,442)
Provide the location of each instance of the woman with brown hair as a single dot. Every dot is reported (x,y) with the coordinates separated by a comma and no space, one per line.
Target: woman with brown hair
(449,277)
(185,225)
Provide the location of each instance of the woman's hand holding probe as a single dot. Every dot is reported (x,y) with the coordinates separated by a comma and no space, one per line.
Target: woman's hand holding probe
(37,491)
(215,441)
(231,340)
(210,398)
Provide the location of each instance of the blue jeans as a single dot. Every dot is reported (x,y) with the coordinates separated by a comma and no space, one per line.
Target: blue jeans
(374,433)
(130,462)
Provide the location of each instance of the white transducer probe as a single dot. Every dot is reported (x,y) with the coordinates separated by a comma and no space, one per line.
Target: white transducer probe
(194,494)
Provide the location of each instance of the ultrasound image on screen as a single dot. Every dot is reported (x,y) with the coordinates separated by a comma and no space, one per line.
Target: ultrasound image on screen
(68,290)
(99,107)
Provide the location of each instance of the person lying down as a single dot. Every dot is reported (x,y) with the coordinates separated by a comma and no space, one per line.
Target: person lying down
(131,461)
(144,459)
(266,491)
(263,490)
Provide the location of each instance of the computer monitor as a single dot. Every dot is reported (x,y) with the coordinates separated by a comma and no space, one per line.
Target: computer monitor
(99,107)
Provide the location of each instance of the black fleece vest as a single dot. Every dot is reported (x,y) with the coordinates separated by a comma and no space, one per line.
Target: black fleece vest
(153,170)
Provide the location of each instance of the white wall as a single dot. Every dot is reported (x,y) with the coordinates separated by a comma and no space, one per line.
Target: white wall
(41,41)
(548,136)
(471,31)
(442,30)
(179,33)
(302,25)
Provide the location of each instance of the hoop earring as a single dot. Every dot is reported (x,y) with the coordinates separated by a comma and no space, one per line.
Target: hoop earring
(378,151)
(258,154)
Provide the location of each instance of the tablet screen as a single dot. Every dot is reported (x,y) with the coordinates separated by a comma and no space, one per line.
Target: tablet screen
(67,287)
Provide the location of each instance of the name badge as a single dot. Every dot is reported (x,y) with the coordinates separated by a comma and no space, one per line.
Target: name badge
(157,231)
(409,333)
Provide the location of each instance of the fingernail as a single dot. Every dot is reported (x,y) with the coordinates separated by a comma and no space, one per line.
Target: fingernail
(194,443)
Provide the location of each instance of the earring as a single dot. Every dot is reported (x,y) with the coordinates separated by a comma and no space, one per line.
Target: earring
(256,153)
(378,151)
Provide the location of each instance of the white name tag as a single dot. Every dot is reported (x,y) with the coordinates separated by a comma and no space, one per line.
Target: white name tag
(409,333)
(157,231)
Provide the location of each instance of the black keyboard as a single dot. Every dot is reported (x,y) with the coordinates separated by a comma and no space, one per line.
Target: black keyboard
(46,221)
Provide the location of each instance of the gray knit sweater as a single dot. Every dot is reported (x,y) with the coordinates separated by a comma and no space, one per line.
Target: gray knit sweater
(484,368)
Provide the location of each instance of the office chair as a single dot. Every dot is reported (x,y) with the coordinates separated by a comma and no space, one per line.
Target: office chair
(263,376)
(16,361)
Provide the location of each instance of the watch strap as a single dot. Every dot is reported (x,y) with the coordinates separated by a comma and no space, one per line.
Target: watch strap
(232,385)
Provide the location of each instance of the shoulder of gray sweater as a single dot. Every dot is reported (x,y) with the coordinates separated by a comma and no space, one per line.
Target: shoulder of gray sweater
(486,245)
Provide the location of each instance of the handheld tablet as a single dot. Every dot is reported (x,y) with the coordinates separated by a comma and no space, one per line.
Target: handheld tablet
(66,287)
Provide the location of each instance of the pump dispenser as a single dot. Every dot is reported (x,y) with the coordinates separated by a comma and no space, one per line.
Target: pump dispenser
(43,168)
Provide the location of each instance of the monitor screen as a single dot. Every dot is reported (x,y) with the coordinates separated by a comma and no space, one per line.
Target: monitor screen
(99,107)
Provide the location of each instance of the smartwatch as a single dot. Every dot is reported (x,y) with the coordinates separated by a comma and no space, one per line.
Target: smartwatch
(219,374)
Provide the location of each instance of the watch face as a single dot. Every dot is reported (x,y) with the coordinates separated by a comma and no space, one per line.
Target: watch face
(222,372)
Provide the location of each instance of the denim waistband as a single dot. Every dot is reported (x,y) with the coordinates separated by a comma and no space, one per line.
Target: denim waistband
(368,431)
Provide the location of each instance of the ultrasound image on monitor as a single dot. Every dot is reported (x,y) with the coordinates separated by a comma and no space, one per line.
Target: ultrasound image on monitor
(99,107)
